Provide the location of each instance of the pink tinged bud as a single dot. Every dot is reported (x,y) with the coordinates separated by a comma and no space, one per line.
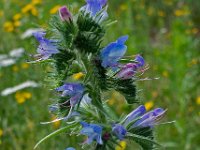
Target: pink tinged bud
(65,14)
(127,71)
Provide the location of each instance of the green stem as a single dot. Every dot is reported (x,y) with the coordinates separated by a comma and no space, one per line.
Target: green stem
(93,82)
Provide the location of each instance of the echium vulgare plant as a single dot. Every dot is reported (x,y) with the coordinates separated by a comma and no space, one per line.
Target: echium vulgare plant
(83,70)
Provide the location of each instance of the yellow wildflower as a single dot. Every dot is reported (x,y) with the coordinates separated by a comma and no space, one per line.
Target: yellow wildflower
(195,30)
(17,23)
(54,9)
(168,2)
(1,132)
(181,12)
(149,105)
(122,145)
(35,2)
(27,95)
(78,76)
(150,11)
(27,8)
(56,124)
(15,68)
(123,7)
(1,13)
(17,16)
(21,97)
(154,94)
(194,61)
(8,26)
(25,66)
(165,74)
(34,11)
(198,100)
(111,101)
(161,13)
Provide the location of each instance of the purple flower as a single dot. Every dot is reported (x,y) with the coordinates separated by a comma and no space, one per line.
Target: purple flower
(119,131)
(150,119)
(128,70)
(94,6)
(64,13)
(74,90)
(93,131)
(112,53)
(46,47)
(139,111)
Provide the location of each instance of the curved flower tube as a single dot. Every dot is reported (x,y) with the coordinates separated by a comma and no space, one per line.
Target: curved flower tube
(46,47)
(94,6)
(139,111)
(74,90)
(150,119)
(128,70)
(139,117)
(93,131)
(112,53)
(119,131)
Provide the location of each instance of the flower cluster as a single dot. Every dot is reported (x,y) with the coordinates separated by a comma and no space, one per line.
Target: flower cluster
(76,53)
(16,22)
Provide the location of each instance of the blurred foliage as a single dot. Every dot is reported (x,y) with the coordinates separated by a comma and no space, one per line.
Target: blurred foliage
(165,32)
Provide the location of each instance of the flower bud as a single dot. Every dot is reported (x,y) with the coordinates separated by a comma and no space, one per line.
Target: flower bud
(65,14)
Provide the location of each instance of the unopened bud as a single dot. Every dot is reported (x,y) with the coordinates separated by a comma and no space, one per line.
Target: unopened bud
(65,14)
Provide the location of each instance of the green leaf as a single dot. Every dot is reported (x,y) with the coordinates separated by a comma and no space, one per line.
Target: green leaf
(145,142)
(90,31)
(64,129)
(128,89)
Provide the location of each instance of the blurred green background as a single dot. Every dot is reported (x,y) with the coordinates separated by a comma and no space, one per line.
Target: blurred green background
(166,33)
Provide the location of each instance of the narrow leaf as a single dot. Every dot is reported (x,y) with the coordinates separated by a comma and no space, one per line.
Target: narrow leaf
(145,142)
(54,134)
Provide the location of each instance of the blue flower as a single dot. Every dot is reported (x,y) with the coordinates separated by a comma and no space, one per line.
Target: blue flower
(119,131)
(112,53)
(94,6)
(140,61)
(150,119)
(70,148)
(138,112)
(93,131)
(46,47)
(73,90)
